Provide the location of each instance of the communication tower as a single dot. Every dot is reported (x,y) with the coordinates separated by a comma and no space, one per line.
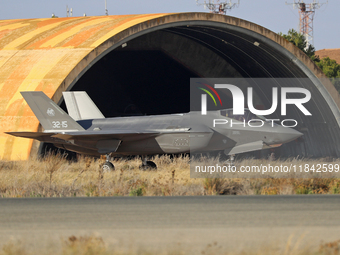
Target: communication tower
(106,10)
(307,13)
(69,12)
(217,6)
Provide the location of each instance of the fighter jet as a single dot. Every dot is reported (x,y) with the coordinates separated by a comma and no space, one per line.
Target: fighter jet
(87,131)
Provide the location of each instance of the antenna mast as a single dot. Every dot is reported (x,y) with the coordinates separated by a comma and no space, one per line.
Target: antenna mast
(307,13)
(69,12)
(106,10)
(217,6)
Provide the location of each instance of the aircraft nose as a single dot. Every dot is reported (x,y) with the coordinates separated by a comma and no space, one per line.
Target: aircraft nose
(288,134)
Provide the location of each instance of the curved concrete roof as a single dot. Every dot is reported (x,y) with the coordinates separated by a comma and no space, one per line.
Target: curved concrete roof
(50,55)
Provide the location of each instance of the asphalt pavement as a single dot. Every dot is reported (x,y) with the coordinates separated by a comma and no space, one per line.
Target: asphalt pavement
(233,222)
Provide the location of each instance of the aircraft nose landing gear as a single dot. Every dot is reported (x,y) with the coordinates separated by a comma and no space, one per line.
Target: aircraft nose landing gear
(147,164)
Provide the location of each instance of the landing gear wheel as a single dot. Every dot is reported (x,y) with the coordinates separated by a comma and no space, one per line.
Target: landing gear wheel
(108,167)
(148,165)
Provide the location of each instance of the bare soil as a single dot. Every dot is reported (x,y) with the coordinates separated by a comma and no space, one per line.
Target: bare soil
(331,53)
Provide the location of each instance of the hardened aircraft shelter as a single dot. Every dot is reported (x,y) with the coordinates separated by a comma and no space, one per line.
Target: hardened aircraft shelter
(142,64)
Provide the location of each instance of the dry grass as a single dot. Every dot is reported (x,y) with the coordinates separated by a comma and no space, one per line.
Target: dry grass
(54,176)
(94,245)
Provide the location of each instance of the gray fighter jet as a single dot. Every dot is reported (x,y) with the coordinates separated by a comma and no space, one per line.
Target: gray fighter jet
(89,132)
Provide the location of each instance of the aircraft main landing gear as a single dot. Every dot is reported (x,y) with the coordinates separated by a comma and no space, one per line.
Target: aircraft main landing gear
(108,166)
(147,164)
(230,161)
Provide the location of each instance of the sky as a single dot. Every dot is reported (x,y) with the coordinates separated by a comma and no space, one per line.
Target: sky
(274,15)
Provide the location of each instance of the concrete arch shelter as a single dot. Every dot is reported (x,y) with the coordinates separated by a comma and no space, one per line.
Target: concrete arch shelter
(98,54)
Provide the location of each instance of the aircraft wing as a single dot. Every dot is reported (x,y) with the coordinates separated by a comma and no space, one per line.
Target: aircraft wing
(110,134)
(87,135)
(105,141)
(33,135)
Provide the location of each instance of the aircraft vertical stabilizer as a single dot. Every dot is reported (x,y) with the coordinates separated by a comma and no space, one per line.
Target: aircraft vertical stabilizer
(80,106)
(50,115)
